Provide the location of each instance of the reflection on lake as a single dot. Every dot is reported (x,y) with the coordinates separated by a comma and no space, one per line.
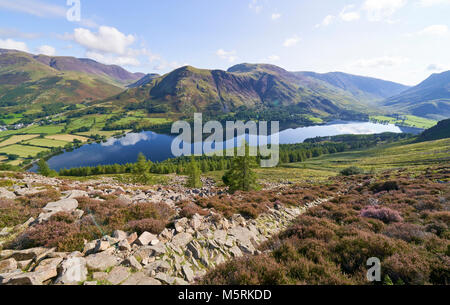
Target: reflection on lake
(157,147)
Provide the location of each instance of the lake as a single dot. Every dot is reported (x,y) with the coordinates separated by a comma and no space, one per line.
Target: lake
(157,147)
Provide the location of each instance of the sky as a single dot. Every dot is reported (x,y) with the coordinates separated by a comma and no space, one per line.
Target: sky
(398,40)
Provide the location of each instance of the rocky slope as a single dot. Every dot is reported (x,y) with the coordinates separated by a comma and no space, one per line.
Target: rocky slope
(180,254)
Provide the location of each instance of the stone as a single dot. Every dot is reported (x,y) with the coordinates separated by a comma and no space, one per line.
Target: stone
(236,252)
(188,273)
(24,265)
(63,205)
(22,255)
(118,275)
(47,269)
(132,238)
(133,263)
(101,261)
(120,235)
(4,193)
(72,194)
(25,279)
(145,239)
(90,283)
(89,248)
(78,213)
(99,276)
(72,271)
(181,239)
(195,248)
(101,246)
(139,278)
(166,235)
(158,266)
(8,265)
(163,277)
(179,282)
(4,277)
(124,245)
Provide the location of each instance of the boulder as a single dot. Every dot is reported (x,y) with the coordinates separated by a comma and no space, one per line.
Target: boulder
(101,261)
(146,238)
(120,235)
(188,273)
(124,245)
(8,265)
(181,239)
(133,263)
(63,205)
(132,238)
(4,193)
(72,194)
(139,278)
(23,255)
(101,246)
(47,269)
(72,271)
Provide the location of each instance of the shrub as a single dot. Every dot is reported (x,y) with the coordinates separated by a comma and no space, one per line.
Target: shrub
(406,231)
(189,209)
(350,171)
(154,226)
(384,186)
(386,215)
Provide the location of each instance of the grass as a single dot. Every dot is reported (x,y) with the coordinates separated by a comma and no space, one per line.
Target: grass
(17,139)
(23,151)
(406,120)
(49,129)
(46,143)
(67,138)
(389,156)
(107,134)
(81,122)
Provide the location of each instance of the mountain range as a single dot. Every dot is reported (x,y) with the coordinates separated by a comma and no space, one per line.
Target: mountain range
(38,79)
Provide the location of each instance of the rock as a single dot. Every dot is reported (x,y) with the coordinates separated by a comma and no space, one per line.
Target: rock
(47,269)
(179,282)
(146,238)
(23,255)
(64,205)
(120,235)
(90,247)
(124,245)
(166,235)
(158,266)
(132,238)
(195,248)
(164,278)
(24,265)
(181,239)
(72,194)
(133,263)
(27,191)
(72,271)
(8,265)
(90,283)
(25,279)
(101,261)
(4,193)
(99,276)
(101,246)
(188,273)
(125,199)
(78,213)
(236,252)
(4,277)
(139,278)
(118,275)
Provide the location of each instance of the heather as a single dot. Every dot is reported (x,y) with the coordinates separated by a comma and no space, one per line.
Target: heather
(405,224)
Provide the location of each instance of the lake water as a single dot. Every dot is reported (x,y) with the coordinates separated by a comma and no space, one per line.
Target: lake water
(157,147)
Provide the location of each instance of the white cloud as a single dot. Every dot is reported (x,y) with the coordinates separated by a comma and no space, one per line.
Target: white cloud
(435,30)
(427,3)
(292,41)
(272,58)
(230,56)
(326,21)
(378,10)
(111,59)
(34,7)
(276,16)
(380,62)
(108,39)
(255,6)
(348,14)
(13,45)
(47,50)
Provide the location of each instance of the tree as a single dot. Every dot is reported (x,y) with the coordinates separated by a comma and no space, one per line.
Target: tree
(194,174)
(141,170)
(241,176)
(44,169)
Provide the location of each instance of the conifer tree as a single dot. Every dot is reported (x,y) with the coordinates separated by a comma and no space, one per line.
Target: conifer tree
(44,169)
(194,174)
(241,176)
(141,169)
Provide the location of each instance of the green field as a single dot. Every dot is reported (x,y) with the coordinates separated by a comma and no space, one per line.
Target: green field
(46,143)
(81,122)
(49,129)
(23,151)
(406,120)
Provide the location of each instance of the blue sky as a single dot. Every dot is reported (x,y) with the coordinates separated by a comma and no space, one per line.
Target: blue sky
(399,40)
